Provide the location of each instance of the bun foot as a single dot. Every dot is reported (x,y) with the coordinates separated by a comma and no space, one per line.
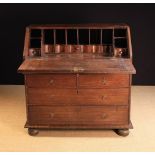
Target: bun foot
(33,132)
(122,132)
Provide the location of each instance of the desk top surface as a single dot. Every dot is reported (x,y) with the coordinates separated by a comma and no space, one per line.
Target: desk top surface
(77,63)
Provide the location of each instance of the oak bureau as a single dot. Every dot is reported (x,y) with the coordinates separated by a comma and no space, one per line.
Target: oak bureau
(78,76)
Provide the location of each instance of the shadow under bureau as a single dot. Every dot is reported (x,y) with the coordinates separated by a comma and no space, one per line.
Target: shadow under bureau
(78,77)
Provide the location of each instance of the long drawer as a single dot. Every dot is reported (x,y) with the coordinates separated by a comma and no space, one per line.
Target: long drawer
(39,115)
(51,80)
(49,96)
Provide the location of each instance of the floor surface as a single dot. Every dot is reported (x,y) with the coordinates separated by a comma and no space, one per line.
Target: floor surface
(13,137)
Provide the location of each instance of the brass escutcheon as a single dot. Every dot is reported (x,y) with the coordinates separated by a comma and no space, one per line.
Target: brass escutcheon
(75,69)
(78,69)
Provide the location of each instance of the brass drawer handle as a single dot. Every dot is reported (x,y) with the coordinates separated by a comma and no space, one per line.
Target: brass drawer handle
(104,97)
(51,115)
(104,116)
(103,81)
(51,81)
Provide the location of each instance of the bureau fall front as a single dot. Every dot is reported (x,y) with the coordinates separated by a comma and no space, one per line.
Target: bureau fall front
(78,77)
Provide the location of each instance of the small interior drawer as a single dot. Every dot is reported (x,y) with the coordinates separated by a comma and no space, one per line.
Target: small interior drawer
(76,48)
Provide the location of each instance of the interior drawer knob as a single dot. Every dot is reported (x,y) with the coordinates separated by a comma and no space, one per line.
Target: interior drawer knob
(51,81)
(34,53)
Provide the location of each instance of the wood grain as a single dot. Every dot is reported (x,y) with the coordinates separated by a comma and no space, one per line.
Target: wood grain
(67,64)
(103,80)
(78,115)
(82,81)
(51,80)
(48,96)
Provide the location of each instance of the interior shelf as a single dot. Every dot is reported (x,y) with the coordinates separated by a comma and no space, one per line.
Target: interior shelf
(35,33)
(48,37)
(60,36)
(95,36)
(72,36)
(35,43)
(120,32)
(118,37)
(35,37)
(107,36)
(109,41)
(84,36)
(121,43)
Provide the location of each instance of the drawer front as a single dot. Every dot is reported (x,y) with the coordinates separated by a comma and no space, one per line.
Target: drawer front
(76,48)
(55,115)
(48,96)
(51,80)
(104,96)
(103,80)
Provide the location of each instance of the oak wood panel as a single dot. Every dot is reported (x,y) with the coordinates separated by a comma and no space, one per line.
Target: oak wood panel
(66,64)
(103,80)
(49,96)
(78,115)
(103,96)
(51,80)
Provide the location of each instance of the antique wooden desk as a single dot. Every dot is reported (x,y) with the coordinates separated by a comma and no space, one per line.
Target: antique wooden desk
(78,77)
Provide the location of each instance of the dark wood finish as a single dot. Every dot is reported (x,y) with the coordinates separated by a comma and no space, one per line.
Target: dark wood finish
(84,80)
(77,64)
(55,115)
(104,81)
(78,77)
(51,80)
(78,126)
(122,132)
(111,37)
(48,96)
